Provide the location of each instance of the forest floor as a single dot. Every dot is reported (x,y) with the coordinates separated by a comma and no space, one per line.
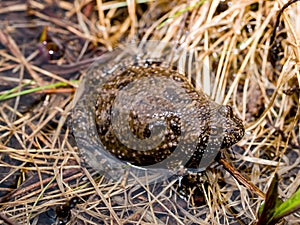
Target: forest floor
(46,47)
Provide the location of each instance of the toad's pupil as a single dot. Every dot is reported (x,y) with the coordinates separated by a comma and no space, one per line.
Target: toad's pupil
(147,132)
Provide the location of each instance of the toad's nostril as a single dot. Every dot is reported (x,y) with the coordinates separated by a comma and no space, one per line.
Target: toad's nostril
(230,130)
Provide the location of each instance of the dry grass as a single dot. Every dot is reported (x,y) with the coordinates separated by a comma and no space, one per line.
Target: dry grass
(39,164)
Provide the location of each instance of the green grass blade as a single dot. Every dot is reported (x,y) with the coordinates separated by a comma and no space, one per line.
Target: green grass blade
(181,12)
(289,206)
(12,92)
(267,210)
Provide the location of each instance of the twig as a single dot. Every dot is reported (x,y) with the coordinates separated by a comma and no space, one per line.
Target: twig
(9,42)
(272,39)
(240,178)
(7,220)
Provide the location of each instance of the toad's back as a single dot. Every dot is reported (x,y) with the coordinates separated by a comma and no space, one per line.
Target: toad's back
(149,115)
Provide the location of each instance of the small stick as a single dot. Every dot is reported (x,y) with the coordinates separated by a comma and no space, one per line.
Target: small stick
(272,39)
(7,220)
(241,179)
(32,187)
